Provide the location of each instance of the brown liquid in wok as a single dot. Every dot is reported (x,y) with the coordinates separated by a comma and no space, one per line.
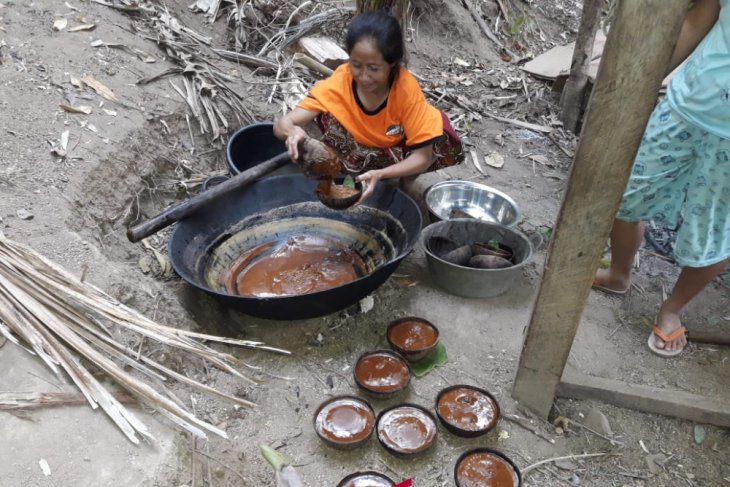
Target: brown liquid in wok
(298,265)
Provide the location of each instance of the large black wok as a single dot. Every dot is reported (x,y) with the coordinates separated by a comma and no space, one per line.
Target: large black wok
(388,227)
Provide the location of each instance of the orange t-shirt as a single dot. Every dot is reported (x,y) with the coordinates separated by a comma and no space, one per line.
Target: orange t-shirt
(406,117)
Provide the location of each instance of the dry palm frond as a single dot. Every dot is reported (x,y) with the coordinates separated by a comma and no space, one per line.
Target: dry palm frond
(64,320)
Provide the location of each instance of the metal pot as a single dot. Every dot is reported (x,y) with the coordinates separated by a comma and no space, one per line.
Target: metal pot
(383,232)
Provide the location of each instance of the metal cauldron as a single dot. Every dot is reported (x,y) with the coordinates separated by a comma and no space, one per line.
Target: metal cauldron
(386,229)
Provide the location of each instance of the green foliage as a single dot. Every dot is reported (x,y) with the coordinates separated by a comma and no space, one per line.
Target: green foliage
(349,182)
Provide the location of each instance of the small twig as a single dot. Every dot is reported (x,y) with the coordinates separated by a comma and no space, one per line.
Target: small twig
(529,468)
(192,461)
(610,440)
(190,131)
(36,375)
(523,423)
(207,464)
(244,479)
(565,151)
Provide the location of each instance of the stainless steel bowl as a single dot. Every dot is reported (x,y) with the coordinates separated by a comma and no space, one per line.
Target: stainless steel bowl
(472,200)
(469,282)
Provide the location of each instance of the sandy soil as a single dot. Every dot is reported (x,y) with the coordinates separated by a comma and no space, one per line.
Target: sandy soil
(125,163)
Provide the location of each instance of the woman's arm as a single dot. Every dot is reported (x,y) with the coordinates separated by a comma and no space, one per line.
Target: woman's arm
(699,20)
(289,129)
(417,162)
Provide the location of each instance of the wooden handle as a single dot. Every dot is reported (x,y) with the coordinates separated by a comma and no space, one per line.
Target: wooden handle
(187,208)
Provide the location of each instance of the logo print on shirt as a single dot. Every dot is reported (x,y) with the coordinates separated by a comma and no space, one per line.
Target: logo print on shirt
(394,130)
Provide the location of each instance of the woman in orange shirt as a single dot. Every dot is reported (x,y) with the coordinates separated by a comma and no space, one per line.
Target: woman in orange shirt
(372,111)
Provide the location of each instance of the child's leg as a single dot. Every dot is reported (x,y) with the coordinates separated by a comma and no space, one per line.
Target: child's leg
(692,280)
(626,238)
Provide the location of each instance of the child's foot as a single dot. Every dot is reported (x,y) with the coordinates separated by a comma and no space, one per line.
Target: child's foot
(608,282)
(672,337)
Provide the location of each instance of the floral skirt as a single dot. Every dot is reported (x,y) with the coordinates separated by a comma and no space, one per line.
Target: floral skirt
(358,158)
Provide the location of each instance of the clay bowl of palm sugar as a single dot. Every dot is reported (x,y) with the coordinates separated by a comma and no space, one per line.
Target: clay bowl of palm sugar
(467,411)
(485,467)
(366,479)
(339,194)
(406,429)
(382,373)
(413,338)
(344,422)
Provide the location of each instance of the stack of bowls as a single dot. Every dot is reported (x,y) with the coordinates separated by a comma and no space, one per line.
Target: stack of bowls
(466,213)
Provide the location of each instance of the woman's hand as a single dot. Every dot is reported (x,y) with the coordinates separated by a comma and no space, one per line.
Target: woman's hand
(369,180)
(294,137)
(289,129)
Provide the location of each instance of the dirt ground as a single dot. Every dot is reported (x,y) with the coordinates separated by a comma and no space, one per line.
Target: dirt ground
(125,162)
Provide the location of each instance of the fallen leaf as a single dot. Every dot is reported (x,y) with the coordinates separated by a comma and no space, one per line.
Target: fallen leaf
(597,421)
(81,27)
(111,113)
(162,259)
(100,88)
(144,264)
(461,62)
(503,435)
(494,159)
(76,82)
(60,24)
(699,434)
(85,109)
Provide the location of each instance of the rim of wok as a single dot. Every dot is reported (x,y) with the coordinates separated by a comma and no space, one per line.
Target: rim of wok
(188,272)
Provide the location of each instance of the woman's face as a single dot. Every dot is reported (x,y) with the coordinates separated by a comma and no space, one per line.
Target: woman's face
(370,71)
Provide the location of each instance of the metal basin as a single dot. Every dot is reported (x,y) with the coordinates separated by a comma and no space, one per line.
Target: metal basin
(474,200)
(469,282)
(382,232)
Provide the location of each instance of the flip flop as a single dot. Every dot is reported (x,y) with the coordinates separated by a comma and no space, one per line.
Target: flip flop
(657,332)
(616,292)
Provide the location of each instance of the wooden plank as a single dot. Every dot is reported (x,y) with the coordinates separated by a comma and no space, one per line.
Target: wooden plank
(675,403)
(631,71)
(323,50)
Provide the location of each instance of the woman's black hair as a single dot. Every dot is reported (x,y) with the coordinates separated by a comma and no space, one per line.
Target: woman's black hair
(384,29)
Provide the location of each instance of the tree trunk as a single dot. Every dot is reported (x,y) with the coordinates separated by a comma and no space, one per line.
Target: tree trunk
(571,101)
(398,8)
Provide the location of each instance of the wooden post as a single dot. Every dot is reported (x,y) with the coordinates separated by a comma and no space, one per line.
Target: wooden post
(633,65)
(571,101)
